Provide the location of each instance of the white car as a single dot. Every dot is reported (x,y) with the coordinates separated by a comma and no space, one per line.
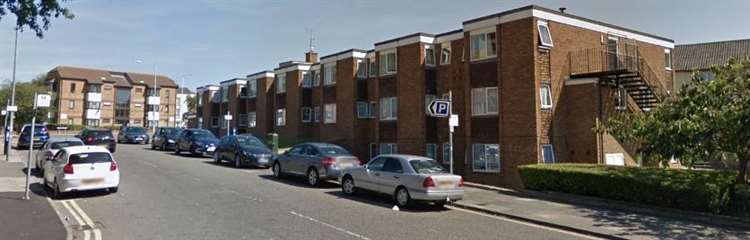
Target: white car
(50,148)
(81,168)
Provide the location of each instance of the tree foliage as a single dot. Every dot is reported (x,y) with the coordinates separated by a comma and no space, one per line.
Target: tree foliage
(25,100)
(35,14)
(192,102)
(705,120)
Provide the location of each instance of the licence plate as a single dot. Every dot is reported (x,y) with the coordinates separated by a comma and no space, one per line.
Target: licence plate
(92,181)
(138,139)
(446,184)
(262,160)
(345,165)
(211,149)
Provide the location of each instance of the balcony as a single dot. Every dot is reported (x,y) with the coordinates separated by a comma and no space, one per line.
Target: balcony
(94,96)
(154,100)
(152,116)
(93,114)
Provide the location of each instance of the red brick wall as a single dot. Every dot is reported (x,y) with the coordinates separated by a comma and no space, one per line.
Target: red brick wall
(410,87)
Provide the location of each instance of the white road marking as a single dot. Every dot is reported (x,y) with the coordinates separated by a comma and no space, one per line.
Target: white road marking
(150,164)
(64,220)
(97,232)
(350,233)
(65,204)
(522,223)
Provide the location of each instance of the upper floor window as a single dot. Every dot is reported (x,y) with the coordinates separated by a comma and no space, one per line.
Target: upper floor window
(483,45)
(429,55)
(72,87)
(243,91)
(373,68)
(361,68)
(329,74)
(329,113)
(388,62)
(316,78)
(316,114)
(215,98)
(389,108)
(445,53)
(251,119)
(668,59)
(281,83)
(545,37)
(152,92)
(545,95)
(306,79)
(484,101)
(252,88)
(365,110)
(281,117)
(224,93)
(200,99)
(94,88)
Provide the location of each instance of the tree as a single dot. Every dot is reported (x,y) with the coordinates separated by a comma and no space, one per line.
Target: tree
(706,119)
(192,103)
(34,14)
(25,100)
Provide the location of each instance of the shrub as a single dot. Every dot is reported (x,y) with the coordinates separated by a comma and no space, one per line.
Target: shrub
(706,191)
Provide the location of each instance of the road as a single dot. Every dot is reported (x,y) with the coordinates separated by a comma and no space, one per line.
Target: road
(164,196)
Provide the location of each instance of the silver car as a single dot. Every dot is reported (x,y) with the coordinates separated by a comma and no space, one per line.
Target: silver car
(50,148)
(316,161)
(408,178)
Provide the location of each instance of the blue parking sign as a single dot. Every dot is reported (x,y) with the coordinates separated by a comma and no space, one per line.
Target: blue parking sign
(439,108)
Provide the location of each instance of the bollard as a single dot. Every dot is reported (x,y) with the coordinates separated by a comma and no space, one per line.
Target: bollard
(273,142)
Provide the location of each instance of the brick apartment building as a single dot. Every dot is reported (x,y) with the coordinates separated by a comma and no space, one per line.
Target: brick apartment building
(529,86)
(97,97)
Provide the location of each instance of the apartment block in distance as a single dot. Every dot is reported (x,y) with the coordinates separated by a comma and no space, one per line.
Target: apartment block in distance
(529,86)
(97,97)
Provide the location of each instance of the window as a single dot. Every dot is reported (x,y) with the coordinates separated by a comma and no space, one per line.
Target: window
(329,74)
(545,37)
(388,62)
(389,108)
(92,122)
(445,53)
(361,68)
(388,148)
(668,59)
(138,90)
(431,150)
(429,55)
(365,110)
(152,108)
(316,78)
(224,94)
(224,123)
(251,119)
(545,93)
(446,153)
(94,88)
(93,105)
(306,114)
(621,99)
(330,113)
(484,101)
(393,165)
(486,157)
(214,121)
(252,88)
(72,87)
(242,121)
(152,92)
(548,153)
(373,68)
(281,117)
(281,83)
(483,46)
(316,114)
(71,104)
(306,80)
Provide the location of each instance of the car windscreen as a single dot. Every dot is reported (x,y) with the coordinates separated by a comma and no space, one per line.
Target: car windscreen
(62,144)
(203,135)
(135,130)
(37,129)
(333,151)
(94,157)
(247,141)
(171,131)
(426,166)
(102,133)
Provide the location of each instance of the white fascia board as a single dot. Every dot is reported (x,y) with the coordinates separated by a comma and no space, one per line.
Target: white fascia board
(261,75)
(449,37)
(212,88)
(234,82)
(301,67)
(405,41)
(344,55)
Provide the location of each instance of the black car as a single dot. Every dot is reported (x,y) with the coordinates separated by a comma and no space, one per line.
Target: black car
(243,150)
(165,138)
(133,135)
(196,141)
(98,136)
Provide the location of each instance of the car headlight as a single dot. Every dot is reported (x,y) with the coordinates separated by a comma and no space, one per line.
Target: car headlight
(170,141)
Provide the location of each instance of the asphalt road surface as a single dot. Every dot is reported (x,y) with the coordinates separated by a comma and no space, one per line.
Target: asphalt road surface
(164,196)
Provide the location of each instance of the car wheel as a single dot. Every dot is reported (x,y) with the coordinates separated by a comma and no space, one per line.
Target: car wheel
(177,150)
(237,161)
(347,186)
(312,177)
(163,146)
(217,160)
(113,189)
(276,170)
(402,197)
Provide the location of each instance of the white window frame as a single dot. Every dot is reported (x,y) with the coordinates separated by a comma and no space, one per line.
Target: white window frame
(373,110)
(281,117)
(388,109)
(361,68)
(482,94)
(329,74)
(445,58)
(306,79)
(71,104)
(388,148)
(431,148)
(329,113)
(482,48)
(543,29)
(316,114)
(281,83)
(430,61)
(309,114)
(364,110)
(484,157)
(668,59)
(384,62)
(251,120)
(544,157)
(545,96)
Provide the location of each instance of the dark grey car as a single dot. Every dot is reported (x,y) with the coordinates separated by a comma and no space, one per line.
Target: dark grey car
(316,161)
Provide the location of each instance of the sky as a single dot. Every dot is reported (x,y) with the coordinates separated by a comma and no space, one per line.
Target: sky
(199,42)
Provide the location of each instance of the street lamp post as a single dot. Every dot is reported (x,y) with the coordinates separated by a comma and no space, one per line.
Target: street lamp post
(9,129)
(155,92)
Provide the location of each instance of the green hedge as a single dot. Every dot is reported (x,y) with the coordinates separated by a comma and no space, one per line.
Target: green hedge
(706,191)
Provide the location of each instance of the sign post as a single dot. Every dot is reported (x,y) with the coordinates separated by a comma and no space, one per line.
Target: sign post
(228,118)
(40,100)
(444,109)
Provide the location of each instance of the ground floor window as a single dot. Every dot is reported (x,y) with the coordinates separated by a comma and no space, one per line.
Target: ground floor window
(373,150)
(388,148)
(431,150)
(548,153)
(251,122)
(486,157)
(446,153)
(316,114)
(306,114)
(281,117)
(215,122)
(242,121)
(330,113)
(92,122)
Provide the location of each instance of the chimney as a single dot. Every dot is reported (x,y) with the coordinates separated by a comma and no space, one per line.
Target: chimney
(311,56)
(562,10)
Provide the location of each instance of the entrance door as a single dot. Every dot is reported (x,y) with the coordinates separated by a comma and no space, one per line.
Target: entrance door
(613,52)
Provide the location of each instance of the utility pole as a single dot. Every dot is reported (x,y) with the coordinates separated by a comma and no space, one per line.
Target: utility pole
(450,130)
(9,134)
(31,150)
